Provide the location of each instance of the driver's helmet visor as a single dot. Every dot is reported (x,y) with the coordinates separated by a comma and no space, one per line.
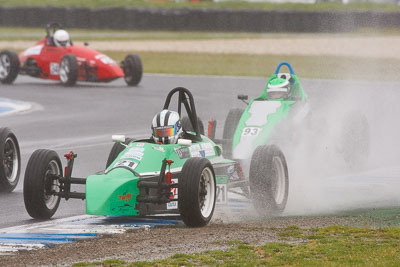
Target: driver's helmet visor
(278,92)
(165,131)
(63,43)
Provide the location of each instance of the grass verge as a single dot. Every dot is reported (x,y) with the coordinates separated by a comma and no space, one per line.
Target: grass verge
(321,67)
(328,246)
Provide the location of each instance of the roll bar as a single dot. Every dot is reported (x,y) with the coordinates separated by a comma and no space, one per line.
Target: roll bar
(183,97)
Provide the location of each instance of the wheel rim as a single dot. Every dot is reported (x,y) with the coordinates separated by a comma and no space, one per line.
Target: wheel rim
(51,185)
(206,192)
(5,65)
(10,161)
(279,181)
(64,70)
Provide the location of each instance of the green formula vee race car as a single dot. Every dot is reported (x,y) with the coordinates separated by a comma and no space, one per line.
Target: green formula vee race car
(144,177)
(246,129)
(282,116)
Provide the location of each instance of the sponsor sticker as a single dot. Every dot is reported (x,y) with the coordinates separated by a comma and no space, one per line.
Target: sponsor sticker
(54,68)
(159,148)
(105,59)
(173,204)
(134,153)
(208,149)
(195,151)
(126,197)
(139,144)
(126,163)
(183,152)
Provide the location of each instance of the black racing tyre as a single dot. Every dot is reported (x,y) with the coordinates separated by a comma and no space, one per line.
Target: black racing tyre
(40,182)
(69,70)
(133,69)
(116,149)
(187,125)
(10,158)
(9,66)
(269,180)
(196,192)
(231,123)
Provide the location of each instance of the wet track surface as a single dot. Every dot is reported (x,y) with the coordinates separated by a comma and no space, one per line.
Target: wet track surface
(84,117)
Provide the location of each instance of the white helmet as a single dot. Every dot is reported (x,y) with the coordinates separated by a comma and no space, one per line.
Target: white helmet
(166,127)
(61,38)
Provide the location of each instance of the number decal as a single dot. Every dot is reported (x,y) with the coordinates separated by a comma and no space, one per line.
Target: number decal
(54,68)
(173,204)
(250,131)
(221,193)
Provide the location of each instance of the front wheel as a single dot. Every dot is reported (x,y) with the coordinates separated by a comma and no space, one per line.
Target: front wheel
(196,192)
(133,70)
(69,70)
(269,180)
(11,160)
(9,66)
(42,183)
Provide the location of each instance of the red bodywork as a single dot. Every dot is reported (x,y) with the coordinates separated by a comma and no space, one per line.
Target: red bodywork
(93,66)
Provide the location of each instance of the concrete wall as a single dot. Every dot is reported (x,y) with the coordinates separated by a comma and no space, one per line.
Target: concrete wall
(197,19)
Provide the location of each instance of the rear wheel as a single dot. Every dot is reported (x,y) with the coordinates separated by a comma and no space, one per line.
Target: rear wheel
(69,70)
(231,123)
(116,149)
(11,160)
(41,182)
(9,66)
(269,180)
(196,192)
(187,125)
(133,69)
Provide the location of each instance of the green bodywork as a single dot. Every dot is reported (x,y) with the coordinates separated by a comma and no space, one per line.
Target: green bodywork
(114,191)
(263,115)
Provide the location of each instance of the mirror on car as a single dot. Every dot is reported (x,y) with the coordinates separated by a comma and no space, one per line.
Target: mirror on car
(184,142)
(118,138)
(243,97)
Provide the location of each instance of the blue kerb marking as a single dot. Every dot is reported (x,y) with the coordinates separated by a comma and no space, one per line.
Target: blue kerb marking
(29,238)
(52,239)
(5,109)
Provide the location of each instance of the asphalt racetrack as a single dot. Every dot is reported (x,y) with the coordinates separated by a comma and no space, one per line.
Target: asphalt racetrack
(84,117)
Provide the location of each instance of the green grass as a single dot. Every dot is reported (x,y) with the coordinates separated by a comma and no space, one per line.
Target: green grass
(328,246)
(328,67)
(34,34)
(203,4)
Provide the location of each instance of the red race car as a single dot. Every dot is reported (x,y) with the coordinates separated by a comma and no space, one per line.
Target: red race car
(55,57)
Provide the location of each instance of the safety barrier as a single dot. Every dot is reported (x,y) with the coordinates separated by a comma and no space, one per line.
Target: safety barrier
(198,19)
